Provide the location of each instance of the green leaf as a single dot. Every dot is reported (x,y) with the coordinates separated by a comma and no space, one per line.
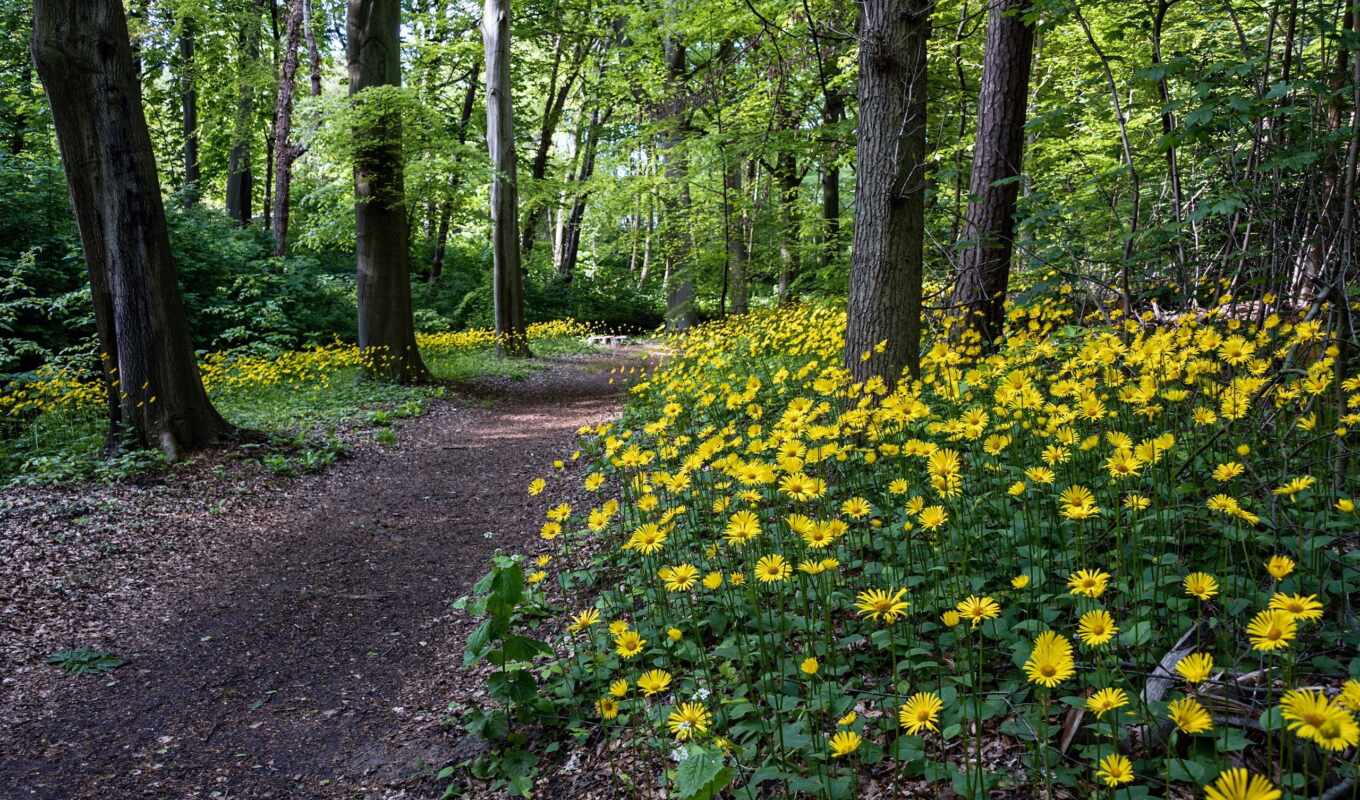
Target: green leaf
(702,774)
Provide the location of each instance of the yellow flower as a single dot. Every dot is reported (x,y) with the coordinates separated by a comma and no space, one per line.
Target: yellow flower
(629,643)
(1107,699)
(856,508)
(1312,716)
(1295,486)
(951,618)
(809,666)
(653,681)
(772,568)
(844,743)
(1115,770)
(921,711)
(932,517)
(674,634)
(647,539)
(680,578)
(848,719)
(1189,716)
(1051,662)
(1297,606)
(607,708)
(1088,582)
(583,619)
(594,481)
(1096,627)
(878,605)
(688,720)
(713,580)
(1195,668)
(1227,471)
(1237,784)
(1136,502)
(978,609)
(536,487)
(1201,585)
(898,486)
(1078,503)
(619,688)
(1350,695)
(742,527)
(1280,567)
(1019,581)
(1271,629)
(550,530)
(535,578)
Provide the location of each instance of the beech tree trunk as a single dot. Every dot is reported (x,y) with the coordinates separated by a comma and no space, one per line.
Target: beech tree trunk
(382,231)
(886,265)
(789,181)
(554,103)
(189,104)
(240,174)
(507,279)
(285,150)
(676,282)
(737,223)
(984,272)
(84,58)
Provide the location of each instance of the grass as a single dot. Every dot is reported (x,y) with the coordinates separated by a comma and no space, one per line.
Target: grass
(65,445)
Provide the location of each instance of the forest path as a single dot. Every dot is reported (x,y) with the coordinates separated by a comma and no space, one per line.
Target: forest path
(307,621)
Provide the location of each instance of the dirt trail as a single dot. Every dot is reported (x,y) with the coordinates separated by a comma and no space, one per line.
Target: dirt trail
(276,662)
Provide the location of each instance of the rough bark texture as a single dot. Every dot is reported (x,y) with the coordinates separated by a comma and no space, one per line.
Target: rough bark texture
(984,272)
(83,55)
(507,279)
(787,177)
(885,273)
(382,233)
(285,150)
(189,104)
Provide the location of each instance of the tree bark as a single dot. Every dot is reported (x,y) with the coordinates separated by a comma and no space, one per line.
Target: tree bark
(313,53)
(886,265)
(83,55)
(382,232)
(507,278)
(285,150)
(240,174)
(455,180)
(571,234)
(737,253)
(677,283)
(984,273)
(189,105)
(554,103)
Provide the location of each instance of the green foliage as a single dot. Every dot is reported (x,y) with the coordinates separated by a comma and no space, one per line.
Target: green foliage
(83,661)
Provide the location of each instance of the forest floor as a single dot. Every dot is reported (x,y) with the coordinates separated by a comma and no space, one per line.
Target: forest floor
(283,637)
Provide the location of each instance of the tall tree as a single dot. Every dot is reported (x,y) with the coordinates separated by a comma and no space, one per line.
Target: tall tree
(286,151)
(678,283)
(189,102)
(507,281)
(455,179)
(984,271)
(313,52)
(240,174)
(382,230)
(84,58)
(555,101)
(886,264)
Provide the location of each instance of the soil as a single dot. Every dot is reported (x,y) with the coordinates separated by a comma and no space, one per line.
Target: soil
(283,637)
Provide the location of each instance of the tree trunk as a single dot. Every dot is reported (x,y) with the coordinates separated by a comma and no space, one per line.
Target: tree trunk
(554,103)
(16,139)
(240,175)
(507,278)
(677,283)
(285,150)
(787,177)
(83,55)
(737,254)
(833,113)
(886,265)
(313,54)
(571,234)
(455,180)
(189,104)
(984,272)
(387,331)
